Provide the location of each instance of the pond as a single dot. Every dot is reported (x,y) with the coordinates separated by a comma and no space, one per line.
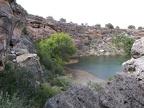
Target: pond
(103,67)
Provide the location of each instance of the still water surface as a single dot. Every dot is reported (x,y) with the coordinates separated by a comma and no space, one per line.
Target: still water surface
(102,67)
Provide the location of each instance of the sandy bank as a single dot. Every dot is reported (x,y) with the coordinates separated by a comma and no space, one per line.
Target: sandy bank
(83,77)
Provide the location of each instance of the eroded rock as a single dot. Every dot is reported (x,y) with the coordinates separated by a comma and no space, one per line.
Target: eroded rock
(138,48)
(75,97)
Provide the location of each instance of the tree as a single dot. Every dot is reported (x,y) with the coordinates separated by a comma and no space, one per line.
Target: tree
(140,28)
(131,27)
(59,48)
(109,25)
(98,25)
(63,20)
(117,27)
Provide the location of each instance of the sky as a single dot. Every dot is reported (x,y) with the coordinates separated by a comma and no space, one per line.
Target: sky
(117,12)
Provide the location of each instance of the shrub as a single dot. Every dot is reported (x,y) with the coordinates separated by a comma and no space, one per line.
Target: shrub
(95,86)
(131,27)
(109,25)
(98,25)
(125,43)
(63,20)
(7,101)
(62,81)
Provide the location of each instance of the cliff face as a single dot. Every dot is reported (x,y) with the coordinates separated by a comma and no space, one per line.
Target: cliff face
(88,40)
(125,91)
(15,42)
(18,31)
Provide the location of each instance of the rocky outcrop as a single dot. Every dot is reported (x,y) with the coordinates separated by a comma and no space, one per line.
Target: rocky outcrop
(75,97)
(11,16)
(16,44)
(125,91)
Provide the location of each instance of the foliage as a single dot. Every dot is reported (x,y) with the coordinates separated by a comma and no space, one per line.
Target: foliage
(63,20)
(95,86)
(117,27)
(125,43)
(7,101)
(109,25)
(131,27)
(62,81)
(140,28)
(59,48)
(15,79)
(111,78)
(98,25)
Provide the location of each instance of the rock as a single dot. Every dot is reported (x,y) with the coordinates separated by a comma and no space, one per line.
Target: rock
(14,40)
(138,48)
(1,47)
(21,51)
(126,91)
(31,63)
(134,65)
(11,15)
(24,57)
(75,97)
(11,57)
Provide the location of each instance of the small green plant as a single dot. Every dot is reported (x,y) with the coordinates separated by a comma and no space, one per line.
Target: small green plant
(95,86)
(111,78)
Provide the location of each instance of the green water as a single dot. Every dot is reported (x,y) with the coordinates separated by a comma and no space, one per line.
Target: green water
(102,67)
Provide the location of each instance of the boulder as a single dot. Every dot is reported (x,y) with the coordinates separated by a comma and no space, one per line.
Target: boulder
(138,48)
(75,97)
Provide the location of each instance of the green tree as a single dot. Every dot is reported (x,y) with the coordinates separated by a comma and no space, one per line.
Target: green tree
(98,25)
(63,20)
(109,25)
(131,27)
(59,48)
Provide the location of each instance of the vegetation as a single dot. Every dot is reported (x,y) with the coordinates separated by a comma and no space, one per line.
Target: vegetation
(18,85)
(125,43)
(117,27)
(95,86)
(63,20)
(131,27)
(7,101)
(109,26)
(98,25)
(58,48)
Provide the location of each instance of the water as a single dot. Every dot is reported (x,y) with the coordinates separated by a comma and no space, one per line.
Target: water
(102,67)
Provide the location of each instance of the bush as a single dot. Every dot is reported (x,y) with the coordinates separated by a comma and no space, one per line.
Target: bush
(62,81)
(131,27)
(7,101)
(125,43)
(109,26)
(63,20)
(98,25)
(95,86)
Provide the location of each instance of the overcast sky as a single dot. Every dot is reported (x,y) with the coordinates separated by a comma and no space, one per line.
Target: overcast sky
(117,12)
